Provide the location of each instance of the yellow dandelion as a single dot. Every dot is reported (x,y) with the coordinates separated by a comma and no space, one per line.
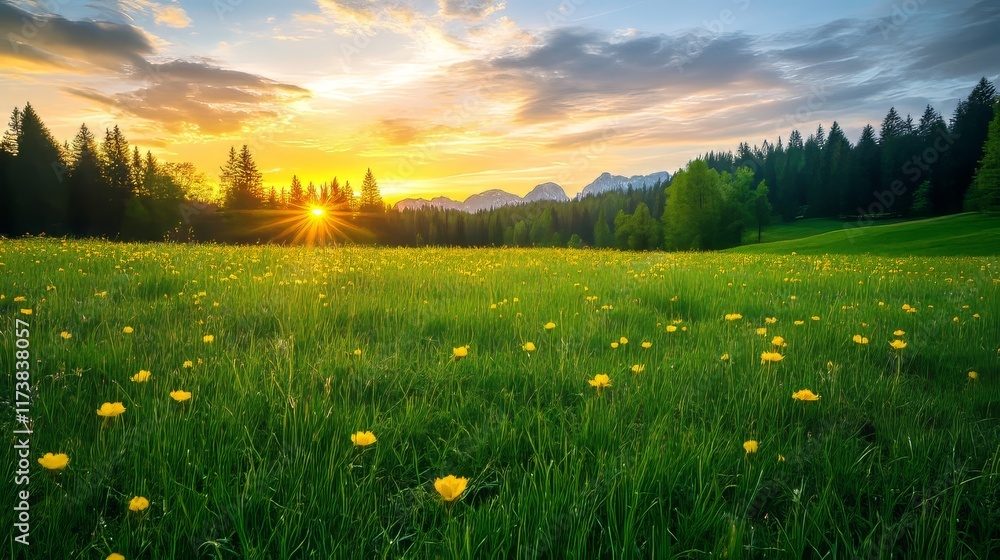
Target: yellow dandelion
(128,330)
(600,381)
(363,439)
(815,317)
(54,462)
(65,335)
(897,344)
(459,353)
(898,332)
(138,504)
(750,446)
(725,357)
(778,342)
(141,377)
(450,487)
(115,556)
(671,328)
(208,338)
(762,331)
(638,368)
(733,316)
(623,340)
(110,410)
(860,339)
(973,375)
(180,396)
(528,347)
(805,395)
(799,323)
(647,344)
(549,326)
(614,344)
(26,311)
(770,358)
(187,364)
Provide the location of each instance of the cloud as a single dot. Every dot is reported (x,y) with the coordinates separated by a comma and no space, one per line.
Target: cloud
(469,10)
(171,16)
(969,46)
(194,95)
(200,97)
(574,71)
(366,16)
(61,44)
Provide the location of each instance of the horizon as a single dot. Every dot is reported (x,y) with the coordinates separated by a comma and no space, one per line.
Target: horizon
(456,98)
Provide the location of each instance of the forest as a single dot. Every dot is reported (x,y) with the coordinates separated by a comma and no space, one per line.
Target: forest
(902,168)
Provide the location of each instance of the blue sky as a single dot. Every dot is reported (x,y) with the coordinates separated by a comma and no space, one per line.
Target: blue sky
(452,97)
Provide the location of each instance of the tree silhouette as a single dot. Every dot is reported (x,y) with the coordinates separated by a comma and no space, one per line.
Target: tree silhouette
(984,194)
(371,199)
(241,181)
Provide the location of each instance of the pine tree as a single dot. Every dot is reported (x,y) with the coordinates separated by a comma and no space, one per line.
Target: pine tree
(296,195)
(312,197)
(542,229)
(137,169)
(969,133)
(38,191)
(371,199)
(9,142)
(350,200)
(88,193)
(984,195)
(241,181)
(603,237)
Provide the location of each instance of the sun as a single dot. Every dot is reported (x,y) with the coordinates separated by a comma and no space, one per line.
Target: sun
(314,224)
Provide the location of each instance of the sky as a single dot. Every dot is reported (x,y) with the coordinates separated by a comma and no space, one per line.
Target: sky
(454,97)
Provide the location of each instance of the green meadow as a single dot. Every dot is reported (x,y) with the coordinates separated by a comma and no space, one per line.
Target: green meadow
(697,449)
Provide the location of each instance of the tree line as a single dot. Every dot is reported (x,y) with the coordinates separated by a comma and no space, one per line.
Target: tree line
(107,188)
(904,169)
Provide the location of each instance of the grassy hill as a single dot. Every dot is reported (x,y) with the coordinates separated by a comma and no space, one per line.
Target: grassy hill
(959,235)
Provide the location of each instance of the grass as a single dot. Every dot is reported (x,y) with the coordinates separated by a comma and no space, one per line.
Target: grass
(782,231)
(259,463)
(958,235)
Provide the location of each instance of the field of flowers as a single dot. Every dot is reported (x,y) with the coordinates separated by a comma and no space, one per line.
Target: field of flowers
(266,402)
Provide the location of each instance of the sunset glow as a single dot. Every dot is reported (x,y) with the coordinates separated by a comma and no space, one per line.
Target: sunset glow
(450,98)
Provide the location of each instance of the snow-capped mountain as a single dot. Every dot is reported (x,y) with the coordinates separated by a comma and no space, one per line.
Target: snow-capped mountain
(547,191)
(493,198)
(488,200)
(496,198)
(609,182)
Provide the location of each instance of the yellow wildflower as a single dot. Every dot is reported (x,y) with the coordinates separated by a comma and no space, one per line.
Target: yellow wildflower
(54,462)
(805,395)
(110,410)
(600,381)
(363,439)
(770,357)
(138,503)
(450,487)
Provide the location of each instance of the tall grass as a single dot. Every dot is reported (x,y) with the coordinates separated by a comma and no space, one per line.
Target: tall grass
(260,464)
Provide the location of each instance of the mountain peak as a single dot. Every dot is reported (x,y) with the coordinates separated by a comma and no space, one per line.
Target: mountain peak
(608,182)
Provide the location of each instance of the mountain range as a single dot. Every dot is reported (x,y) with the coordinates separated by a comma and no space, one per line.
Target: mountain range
(496,198)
